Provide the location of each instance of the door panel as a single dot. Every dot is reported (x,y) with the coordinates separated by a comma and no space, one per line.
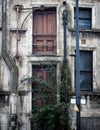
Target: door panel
(44,32)
(39,73)
(44,44)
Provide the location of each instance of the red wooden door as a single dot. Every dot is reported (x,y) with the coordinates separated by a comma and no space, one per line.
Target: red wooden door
(43,90)
(44,32)
(39,73)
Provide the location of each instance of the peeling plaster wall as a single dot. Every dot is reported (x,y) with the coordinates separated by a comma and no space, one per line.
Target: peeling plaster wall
(27,59)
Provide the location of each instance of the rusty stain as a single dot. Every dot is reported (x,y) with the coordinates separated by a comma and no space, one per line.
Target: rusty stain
(83,41)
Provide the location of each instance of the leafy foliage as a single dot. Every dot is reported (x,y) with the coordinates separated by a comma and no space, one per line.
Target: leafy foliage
(46,89)
(65,81)
(52,115)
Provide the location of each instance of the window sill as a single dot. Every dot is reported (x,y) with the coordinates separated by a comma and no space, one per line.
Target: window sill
(86,30)
(45,55)
(90,93)
(85,93)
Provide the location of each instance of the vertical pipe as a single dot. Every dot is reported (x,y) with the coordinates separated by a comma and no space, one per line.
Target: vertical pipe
(17,12)
(78,124)
(64,41)
(64,28)
(0,75)
(8,60)
(10,63)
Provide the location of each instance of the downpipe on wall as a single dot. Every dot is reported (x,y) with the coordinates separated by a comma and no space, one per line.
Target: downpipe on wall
(13,111)
(77,83)
(64,18)
(12,67)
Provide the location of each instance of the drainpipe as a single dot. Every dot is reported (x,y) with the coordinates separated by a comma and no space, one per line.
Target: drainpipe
(78,122)
(12,67)
(64,18)
(18,9)
(64,27)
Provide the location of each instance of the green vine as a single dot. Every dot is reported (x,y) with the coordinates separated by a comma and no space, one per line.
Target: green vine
(65,81)
(52,115)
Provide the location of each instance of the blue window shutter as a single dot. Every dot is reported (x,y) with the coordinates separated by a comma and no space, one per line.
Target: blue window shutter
(86,70)
(84,18)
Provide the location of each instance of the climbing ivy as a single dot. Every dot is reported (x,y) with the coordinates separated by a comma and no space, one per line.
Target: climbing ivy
(53,115)
(65,81)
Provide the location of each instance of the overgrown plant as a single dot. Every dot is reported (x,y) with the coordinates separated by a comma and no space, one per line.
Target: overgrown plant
(52,115)
(65,81)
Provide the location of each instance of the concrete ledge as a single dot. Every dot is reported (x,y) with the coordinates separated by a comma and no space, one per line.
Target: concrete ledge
(86,30)
(3,92)
(14,30)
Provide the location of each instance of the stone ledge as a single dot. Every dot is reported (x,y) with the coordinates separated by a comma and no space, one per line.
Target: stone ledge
(86,30)
(90,93)
(86,93)
(4,93)
(14,30)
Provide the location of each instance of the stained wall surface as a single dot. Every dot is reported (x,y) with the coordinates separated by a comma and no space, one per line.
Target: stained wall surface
(19,41)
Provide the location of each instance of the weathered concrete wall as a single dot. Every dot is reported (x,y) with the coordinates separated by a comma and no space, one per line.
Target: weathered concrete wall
(26,59)
(0,27)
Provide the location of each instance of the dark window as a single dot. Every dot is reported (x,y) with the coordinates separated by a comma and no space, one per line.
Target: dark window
(84,18)
(86,70)
(44,31)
